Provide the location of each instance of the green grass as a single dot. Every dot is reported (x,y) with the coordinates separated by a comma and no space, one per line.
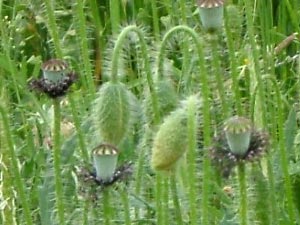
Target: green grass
(163,56)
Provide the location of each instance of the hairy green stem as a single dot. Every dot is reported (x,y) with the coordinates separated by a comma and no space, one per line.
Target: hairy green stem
(115,64)
(219,75)
(155,19)
(158,202)
(19,184)
(59,196)
(191,156)
(83,37)
(126,206)
(178,213)
(233,68)
(114,7)
(106,206)
(243,194)
(53,27)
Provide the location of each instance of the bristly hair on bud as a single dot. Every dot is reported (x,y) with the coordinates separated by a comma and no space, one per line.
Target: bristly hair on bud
(171,141)
(112,112)
(238,142)
(56,79)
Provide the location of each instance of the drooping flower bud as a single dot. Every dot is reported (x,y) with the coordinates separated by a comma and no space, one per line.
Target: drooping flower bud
(111,112)
(170,142)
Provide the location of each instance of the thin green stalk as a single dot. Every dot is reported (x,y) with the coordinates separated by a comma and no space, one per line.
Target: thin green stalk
(114,7)
(19,184)
(85,215)
(233,68)
(80,135)
(155,20)
(165,201)
(218,74)
(57,163)
(178,213)
(83,37)
(115,64)
(107,211)
(126,206)
(158,202)
(243,194)
(53,29)
(191,156)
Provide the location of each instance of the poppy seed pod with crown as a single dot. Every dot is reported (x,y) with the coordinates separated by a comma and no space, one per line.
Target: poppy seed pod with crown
(211,13)
(105,157)
(238,142)
(56,78)
(238,131)
(54,70)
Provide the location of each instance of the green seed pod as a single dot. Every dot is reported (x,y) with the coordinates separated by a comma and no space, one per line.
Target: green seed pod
(54,70)
(170,142)
(112,112)
(105,158)
(238,133)
(166,96)
(211,14)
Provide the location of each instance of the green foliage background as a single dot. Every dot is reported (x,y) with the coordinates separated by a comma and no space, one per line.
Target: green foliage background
(233,71)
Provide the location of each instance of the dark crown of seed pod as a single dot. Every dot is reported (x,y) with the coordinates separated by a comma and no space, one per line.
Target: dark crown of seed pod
(210,3)
(105,149)
(54,65)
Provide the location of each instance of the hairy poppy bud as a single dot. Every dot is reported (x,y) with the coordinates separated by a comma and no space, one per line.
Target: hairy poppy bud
(111,112)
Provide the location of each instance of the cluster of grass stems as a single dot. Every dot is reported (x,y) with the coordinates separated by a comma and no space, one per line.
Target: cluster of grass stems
(232,72)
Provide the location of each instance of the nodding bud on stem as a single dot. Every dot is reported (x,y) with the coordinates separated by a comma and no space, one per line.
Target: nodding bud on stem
(111,112)
(171,140)
(105,157)
(238,132)
(211,13)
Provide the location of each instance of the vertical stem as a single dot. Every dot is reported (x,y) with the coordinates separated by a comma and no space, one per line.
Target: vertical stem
(158,197)
(83,37)
(19,184)
(53,27)
(216,67)
(114,6)
(106,206)
(178,214)
(57,162)
(243,194)
(233,68)
(126,208)
(191,157)
(155,20)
